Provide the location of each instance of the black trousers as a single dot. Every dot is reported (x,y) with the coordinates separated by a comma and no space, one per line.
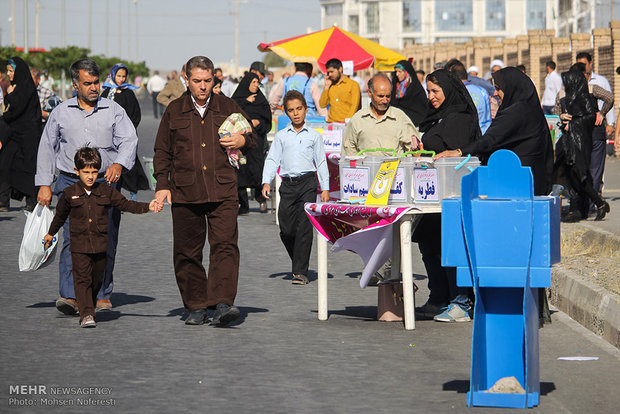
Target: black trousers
(441,280)
(597,158)
(295,227)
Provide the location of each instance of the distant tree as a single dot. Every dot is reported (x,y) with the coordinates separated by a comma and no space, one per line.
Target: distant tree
(274,61)
(59,58)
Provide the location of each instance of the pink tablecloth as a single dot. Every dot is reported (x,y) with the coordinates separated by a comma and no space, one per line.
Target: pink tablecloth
(364,230)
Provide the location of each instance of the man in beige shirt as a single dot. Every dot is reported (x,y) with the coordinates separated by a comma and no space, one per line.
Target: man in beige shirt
(380,125)
(174,89)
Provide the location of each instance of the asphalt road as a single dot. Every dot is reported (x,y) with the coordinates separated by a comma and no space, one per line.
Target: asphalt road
(277,359)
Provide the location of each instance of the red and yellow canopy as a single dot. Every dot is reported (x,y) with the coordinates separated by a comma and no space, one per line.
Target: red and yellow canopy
(331,43)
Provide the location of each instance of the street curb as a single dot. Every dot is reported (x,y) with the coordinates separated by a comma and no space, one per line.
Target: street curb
(592,306)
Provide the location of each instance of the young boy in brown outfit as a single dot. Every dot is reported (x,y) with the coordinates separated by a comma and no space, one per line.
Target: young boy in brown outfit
(86,203)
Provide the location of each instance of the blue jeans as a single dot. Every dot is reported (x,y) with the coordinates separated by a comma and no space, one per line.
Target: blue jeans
(548,109)
(65,264)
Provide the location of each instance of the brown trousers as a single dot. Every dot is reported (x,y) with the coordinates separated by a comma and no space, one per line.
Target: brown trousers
(190,229)
(88,271)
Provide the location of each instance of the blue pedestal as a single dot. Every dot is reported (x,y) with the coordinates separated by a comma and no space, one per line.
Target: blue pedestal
(503,241)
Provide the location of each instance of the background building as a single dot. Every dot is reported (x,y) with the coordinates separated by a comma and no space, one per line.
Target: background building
(399,23)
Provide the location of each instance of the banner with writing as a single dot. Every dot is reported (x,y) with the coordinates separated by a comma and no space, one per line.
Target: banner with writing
(364,230)
(379,191)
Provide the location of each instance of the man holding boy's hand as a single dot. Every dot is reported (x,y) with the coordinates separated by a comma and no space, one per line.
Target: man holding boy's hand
(194,176)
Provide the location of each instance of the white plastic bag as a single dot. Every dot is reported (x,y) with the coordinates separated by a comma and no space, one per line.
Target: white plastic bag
(32,253)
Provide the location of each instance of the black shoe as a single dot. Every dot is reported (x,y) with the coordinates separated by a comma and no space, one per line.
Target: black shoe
(375,280)
(602,211)
(197,317)
(244,211)
(225,314)
(300,280)
(4,208)
(572,217)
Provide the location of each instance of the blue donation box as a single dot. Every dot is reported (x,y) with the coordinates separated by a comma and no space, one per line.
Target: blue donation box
(503,241)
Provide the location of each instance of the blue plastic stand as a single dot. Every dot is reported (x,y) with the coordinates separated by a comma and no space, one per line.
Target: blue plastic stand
(503,241)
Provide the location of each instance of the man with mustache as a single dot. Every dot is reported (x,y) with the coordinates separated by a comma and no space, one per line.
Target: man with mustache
(85,120)
(380,125)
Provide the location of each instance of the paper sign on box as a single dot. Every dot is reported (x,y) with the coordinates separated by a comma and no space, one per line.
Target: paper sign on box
(425,183)
(355,182)
(332,140)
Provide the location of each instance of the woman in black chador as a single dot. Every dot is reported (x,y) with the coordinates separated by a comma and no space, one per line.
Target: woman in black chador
(574,147)
(120,91)
(407,92)
(249,97)
(451,122)
(18,148)
(519,126)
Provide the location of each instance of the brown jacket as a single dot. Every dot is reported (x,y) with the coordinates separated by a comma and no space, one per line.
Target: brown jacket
(189,160)
(88,215)
(173,90)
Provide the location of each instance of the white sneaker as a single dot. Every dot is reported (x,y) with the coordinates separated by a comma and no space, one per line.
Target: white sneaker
(454,313)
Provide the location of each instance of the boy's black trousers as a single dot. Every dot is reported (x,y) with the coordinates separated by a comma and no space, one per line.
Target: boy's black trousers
(295,227)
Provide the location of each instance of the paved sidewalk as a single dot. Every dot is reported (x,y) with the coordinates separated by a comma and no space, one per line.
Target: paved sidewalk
(278,359)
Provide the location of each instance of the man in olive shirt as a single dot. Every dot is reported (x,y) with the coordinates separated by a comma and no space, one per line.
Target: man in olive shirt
(341,93)
(380,125)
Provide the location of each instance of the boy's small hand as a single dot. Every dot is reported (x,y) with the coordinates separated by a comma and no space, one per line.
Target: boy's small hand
(325,196)
(266,192)
(155,206)
(47,240)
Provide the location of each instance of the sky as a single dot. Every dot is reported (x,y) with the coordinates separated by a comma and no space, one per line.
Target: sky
(169,32)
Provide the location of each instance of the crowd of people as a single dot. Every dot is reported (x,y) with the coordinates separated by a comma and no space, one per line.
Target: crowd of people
(450,111)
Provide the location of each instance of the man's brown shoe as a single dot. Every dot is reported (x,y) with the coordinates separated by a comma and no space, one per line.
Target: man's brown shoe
(67,306)
(88,322)
(103,305)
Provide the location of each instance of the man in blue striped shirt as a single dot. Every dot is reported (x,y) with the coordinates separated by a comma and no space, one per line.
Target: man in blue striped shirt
(86,120)
(298,151)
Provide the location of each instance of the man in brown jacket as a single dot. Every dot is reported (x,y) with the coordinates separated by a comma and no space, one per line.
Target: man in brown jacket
(194,175)
(174,89)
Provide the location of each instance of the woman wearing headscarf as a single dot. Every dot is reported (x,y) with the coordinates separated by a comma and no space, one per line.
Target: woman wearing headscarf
(117,88)
(255,105)
(574,147)
(18,152)
(451,122)
(407,92)
(519,126)
(217,86)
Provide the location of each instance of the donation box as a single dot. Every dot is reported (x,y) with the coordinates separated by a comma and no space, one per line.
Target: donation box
(503,242)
